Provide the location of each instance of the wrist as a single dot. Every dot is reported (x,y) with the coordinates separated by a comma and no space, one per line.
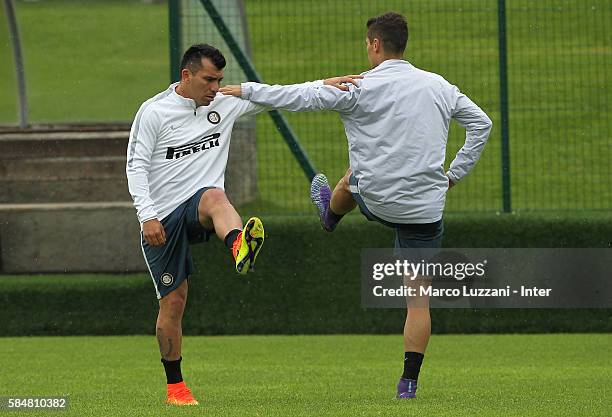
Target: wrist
(452,178)
(148,220)
(245,91)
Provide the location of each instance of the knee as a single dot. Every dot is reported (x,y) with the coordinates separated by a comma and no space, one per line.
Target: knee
(173,305)
(418,307)
(344,183)
(346,187)
(213,198)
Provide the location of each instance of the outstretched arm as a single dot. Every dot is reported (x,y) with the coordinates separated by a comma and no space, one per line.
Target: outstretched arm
(330,94)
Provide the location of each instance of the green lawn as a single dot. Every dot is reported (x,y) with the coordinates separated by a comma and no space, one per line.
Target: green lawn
(87,61)
(503,375)
(106,57)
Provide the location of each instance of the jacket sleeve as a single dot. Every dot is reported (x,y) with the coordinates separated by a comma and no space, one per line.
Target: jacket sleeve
(249,108)
(143,137)
(309,96)
(478,127)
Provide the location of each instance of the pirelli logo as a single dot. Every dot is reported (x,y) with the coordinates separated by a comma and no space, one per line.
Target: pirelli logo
(206,143)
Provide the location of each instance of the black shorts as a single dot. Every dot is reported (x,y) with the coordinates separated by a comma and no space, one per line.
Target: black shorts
(172,263)
(413,235)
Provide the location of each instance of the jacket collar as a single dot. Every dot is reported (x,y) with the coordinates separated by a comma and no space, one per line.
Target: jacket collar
(188,102)
(391,63)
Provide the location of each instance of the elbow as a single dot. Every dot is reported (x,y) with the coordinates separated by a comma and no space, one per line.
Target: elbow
(131,173)
(485,127)
(487,123)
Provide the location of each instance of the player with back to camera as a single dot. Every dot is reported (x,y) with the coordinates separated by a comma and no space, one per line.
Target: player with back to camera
(176,160)
(396,120)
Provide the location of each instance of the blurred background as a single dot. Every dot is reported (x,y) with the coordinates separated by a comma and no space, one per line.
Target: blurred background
(74,73)
(97,61)
(540,69)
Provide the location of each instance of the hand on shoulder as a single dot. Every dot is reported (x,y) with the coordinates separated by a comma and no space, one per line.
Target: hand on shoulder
(231,90)
(341,82)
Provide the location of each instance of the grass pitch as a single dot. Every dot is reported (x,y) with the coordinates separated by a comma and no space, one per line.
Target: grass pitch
(467,375)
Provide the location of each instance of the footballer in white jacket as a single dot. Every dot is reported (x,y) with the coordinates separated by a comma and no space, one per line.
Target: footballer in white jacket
(396,118)
(176,160)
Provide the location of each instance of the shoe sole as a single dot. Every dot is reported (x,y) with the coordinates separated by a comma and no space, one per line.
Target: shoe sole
(253,238)
(182,404)
(318,182)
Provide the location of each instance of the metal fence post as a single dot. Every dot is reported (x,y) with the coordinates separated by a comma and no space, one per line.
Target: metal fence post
(503,98)
(174,15)
(249,69)
(19,65)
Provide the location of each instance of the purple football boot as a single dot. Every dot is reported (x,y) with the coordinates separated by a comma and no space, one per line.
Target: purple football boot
(320,194)
(406,388)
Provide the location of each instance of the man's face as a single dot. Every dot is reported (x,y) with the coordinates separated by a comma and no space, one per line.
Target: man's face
(205,83)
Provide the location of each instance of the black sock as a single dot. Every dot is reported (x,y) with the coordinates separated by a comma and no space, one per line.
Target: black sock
(231,237)
(332,219)
(412,365)
(333,216)
(173,370)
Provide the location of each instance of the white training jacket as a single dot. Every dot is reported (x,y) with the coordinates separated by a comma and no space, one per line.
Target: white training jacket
(175,149)
(396,122)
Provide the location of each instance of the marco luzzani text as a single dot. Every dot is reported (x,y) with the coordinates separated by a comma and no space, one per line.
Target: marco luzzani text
(438,271)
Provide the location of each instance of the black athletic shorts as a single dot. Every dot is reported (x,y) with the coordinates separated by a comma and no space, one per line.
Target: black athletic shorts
(172,263)
(413,235)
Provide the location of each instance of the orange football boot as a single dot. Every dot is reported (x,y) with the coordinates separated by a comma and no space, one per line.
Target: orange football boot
(179,394)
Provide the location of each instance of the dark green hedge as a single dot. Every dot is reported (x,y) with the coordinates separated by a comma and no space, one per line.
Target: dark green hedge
(307,281)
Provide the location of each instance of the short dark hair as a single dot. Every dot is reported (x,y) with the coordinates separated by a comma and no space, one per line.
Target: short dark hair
(392,29)
(192,58)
